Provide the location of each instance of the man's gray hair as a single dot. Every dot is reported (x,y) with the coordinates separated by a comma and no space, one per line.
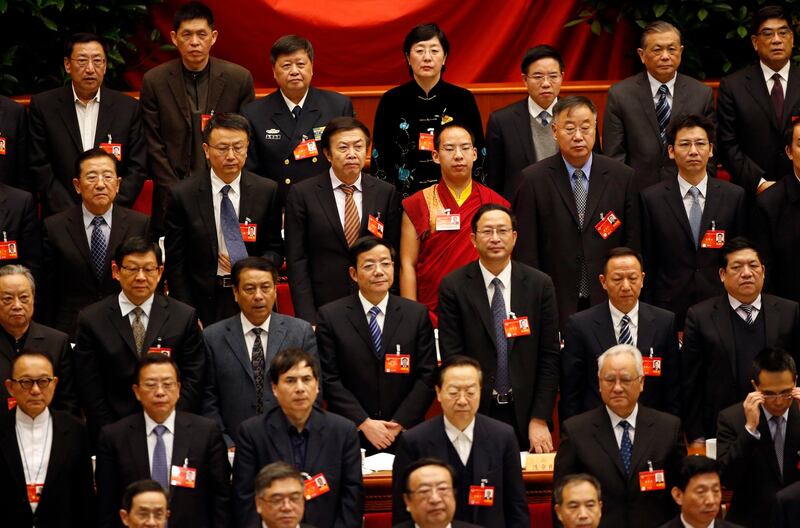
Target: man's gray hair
(618,350)
(658,26)
(18,269)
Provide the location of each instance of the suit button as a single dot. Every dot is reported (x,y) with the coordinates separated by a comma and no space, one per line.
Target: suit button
(314,159)
(287,181)
(286,162)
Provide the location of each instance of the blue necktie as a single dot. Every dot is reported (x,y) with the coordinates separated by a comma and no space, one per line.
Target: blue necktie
(375,331)
(99,246)
(778,440)
(626,446)
(544,118)
(695,214)
(159,472)
(259,365)
(230,228)
(662,112)
(625,337)
(502,383)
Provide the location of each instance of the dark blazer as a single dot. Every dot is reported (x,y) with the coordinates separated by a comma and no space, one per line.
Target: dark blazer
(19,221)
(749,466)
(106,357)
(708,357)
(588,445)
(229,397)
(630,127)
(168,119)
(191,239)
(317,254)
(679,273)
(777,215)
(749,136)
(591,332)
(71,283)
(718,523)
(367,391)
(14,128)
(454,524)
(275,133)
(55,144)
(122,458)
(56,346)
(550,238)
(787,507)
(466,327)
(332,449)
(68,498)
(495,457)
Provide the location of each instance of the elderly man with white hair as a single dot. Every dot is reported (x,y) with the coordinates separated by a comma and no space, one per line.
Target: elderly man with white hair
(634,451)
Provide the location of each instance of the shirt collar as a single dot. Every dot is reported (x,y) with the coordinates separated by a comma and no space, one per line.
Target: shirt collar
(217,184)
(769,72)
(655,84)
(247,326)
(684,185)
(452,431)
(95,99)
(368,305)
(126,306)
(88,216)
(290,105)
(534,109)
(616,419)
(587,167)
(769,415)
(736,303)
(25,419)
(616,315)
(169,423)
(488,276)
(686,524)
(336,182)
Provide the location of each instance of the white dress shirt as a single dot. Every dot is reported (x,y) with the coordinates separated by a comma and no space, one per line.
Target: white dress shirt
(168,436)
(535,110)
(616,319)
(655,84)
(87,224)
(505,288)
(769,72)
(291,105)
(87,118)
(367,306)
(340,196)
(235,195)
(34,440)
(126,307)
(615,420)
(686,524)
(735,304)
(684,187)
(461,440)
(250,336)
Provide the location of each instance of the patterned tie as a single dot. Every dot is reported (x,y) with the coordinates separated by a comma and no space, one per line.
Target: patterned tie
(778,440)
(159,472)
(296,111)
(625,337)
(626,446)
(259,369)
(138,329)
(352,224)
(663,112)
(695,214)
(231,231)
(502,383)
(544,117)
(580,194)
(99,246)
(777,97)
(375,331)
(748,311)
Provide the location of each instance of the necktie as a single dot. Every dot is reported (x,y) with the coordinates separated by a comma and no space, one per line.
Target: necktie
(375,331)
(502,383)
(259,369)
(159,471)
(778,440)
(777,97)
(544,117)
(580,194)
(695,214)
(138,329)
(662,112)
(626,446)
(748,310)
(352,224)
(296,112)
(230,228)
(99,246)
(625,337)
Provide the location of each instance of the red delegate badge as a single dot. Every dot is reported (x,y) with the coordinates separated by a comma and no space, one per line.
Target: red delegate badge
(183,476)
(481,495)
(249,232)
(425,141)
(397,363)
(375,226)
(2,146)
(713,239)
(306,149)
(652,480)
(8,250)
(608,224)
(35,492)
(316,486)
(516,326)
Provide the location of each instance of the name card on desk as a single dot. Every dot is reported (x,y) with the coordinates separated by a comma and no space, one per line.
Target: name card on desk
(540,462)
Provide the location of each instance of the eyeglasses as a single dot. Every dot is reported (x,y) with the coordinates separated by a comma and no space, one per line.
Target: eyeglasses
(687,145)
(369,267)
(625,381)
(94,178)
(787,395)
(144,515)
(783,33)
(276,501)
(426,492)
(151,386)
(658,51)
(27,383)
(539,77)
(451,149)
(83,62)
(469,393)
(500,231)
(570,130)
(238,149)
(134,270)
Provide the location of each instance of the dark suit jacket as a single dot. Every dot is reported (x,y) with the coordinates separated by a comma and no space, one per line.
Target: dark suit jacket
(168,119)
(275,133)
(122,458)
(68,498)
(749,466)
(229,397)
(454,524)
(14,128)
(191,240)
(495,457)
(55,143)
(367,391)
(71,283)
(708,357)
(718,523)
(466,327)
(590,333)
(749,136)
(19,221)
(332,449)
(588,445)
(777,217)
(317,254)
(56,346)
(106,357)
(550,238)
(630,127)
(787,507)
(680,274)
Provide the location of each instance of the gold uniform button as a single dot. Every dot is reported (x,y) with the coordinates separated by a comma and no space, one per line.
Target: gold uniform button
(314,159)
(287,181)
(286,162)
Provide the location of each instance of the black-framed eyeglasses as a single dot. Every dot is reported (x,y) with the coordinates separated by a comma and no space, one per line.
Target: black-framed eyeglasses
(27,383)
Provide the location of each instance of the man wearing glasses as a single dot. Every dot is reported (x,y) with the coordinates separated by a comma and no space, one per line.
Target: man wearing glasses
(758,440)
(81,116)
(210,220)
(47,470)
(144,505)
(279,496)
(115,332)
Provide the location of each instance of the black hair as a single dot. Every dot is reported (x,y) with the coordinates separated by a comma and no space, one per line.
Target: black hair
(154,358)
(286,359)
(690,121)
(558,490)
(691,466)
(82,38)
(421,33)
(542,51)
(573,101)
(288,44)
(485,208)
(732,246)
(367,243)
(137,244)
(437,135)
(29,354)
(422,462)
(192,11)
(93,153)
(342,124)
(228,120)
(258,263)
(767,12)
(621,251)
(458,360)
(138,487)
(276,471)
(773,359)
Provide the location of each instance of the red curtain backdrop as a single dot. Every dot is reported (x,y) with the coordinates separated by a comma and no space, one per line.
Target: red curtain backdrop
(359,42)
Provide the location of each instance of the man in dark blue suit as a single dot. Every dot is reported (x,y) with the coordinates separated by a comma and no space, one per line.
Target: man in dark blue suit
(483,451)
(239,349)
(321,444)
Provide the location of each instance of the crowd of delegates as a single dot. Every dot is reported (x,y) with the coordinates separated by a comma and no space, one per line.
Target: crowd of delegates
(541,262)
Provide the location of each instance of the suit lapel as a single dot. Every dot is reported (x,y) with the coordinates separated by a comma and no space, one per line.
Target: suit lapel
(757,87)
(674,200)
(355,314)
(394,316)
(482,453)
(560,178)
(642,438)
(176,85)
(522,122)
(521,298)
(722,320)
(309,114)
(137,442)
(792,94)
(122,324)
(216,85)
(276,337)
(234,336)
(367,201)
(604,436)
(604,329)
(104,117)
(791,445)
(597,187)
(645,332)
(283,119)
(58,455)
(316,440)
(119,232)
(327,203)
(10,451)
(712,205)
(476,293)
(279,437)
(66,111)
(771,319)
(205,206)
(180,442)
(247,199)
(4,211)
(645,97)
(77,232)
(156,321)
(768,445)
